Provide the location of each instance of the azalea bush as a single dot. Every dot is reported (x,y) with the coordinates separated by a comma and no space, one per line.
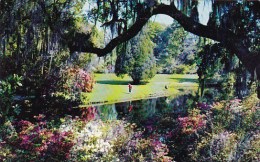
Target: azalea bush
(74,81)
(113,141)
(88,113)
(35,141)
(234,133)
(145,149)
(192,122)
(80,138)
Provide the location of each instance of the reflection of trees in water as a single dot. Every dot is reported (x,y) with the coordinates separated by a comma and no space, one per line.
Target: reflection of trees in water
(144,109)
(107,112)
(140,110)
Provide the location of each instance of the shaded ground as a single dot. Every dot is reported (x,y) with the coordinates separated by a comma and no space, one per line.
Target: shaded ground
(110,88)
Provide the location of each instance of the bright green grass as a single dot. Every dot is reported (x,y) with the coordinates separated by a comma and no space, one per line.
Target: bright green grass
(110,88)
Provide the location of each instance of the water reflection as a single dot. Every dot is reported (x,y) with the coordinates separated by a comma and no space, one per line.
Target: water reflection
(140,110)
(107,112)
(143,109)
(136,111)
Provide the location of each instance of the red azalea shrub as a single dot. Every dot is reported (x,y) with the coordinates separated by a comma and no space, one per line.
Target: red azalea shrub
(191,124)
(36,141)
(59,146)
(160,150)
(77,79)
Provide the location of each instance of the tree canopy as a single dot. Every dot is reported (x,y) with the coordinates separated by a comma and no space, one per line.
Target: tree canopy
(232,23)
(235,24)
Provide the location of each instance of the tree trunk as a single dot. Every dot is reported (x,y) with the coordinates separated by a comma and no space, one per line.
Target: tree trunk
(136,81)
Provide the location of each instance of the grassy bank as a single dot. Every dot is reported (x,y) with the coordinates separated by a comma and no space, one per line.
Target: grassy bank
(110,88)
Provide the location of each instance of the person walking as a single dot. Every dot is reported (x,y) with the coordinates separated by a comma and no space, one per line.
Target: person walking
(129,87)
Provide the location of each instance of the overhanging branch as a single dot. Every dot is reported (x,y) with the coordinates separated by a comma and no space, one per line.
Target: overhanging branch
(125,36)
(231,41)
(226,37)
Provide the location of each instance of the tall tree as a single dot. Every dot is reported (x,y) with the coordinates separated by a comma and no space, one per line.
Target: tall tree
(136,58)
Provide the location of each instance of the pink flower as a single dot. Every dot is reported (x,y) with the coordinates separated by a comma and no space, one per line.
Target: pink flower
(39,117)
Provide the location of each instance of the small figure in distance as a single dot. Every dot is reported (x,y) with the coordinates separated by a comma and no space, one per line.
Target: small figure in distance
(130,87)
(130,108)
(166,86)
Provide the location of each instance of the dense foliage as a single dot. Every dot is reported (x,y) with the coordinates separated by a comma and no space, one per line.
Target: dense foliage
(33,36)
(175,50)
(136,58)
(7,91)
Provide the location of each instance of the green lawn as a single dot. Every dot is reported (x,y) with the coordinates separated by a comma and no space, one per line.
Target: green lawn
(111,89)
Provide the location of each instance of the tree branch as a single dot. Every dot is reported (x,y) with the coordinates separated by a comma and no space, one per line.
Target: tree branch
(231,41)
(74,45)
(226,37)
(113,21)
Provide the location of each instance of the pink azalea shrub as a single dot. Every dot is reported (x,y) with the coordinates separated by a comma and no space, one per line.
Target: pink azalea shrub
(84,81)
(191,124)
(74,81)
(36,141)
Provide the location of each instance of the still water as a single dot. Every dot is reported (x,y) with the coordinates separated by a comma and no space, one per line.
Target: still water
(139,110)
(135,111)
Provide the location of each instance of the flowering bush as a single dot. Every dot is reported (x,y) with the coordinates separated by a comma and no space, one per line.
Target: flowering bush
(37,142)
(192,123)
(234,134)
(84,81)
(92,143)
(76,80)
(141,149)
(112,140)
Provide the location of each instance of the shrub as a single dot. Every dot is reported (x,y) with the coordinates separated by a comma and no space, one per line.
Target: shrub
(234,132)
(74,81)
(7,91)
(36,142)
(192,123)
(182,69)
